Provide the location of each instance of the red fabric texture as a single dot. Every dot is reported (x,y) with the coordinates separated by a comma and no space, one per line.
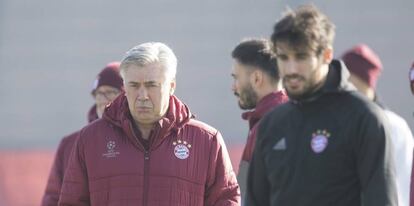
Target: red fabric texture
(23,175)
(266,104)
(363,62)
(109,76)
(109,166)
(54,182)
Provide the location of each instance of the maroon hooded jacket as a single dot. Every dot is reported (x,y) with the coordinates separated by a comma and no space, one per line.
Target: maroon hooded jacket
(54,183)
(266,104)
(186,164)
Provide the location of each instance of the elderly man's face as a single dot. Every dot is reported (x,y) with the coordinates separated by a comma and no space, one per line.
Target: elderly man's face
(148,91)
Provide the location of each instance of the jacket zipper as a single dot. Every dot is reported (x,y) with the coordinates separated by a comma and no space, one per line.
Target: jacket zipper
(146,179)
(146,167)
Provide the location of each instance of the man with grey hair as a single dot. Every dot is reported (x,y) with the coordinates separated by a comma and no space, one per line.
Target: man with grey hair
(148,149)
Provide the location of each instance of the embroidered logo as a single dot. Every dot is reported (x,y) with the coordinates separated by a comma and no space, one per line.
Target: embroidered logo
(111,145)
(181,149)
(280,145)
(319,141)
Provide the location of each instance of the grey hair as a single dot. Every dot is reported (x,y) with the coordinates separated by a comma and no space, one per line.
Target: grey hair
(150,53)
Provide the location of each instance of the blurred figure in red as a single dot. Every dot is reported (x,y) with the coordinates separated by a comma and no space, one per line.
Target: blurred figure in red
(411,78)
(365,68)
(256,84)
(106,88)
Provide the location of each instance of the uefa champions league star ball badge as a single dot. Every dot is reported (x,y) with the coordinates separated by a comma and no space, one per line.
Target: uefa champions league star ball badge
(181,149)
(319,141)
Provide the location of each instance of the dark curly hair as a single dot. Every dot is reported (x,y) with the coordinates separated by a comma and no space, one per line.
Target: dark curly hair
(304,28)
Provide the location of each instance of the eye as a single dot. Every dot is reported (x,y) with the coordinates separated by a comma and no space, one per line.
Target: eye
(282,57)
(302,56)
(113,92)
(133,85)
(151,84)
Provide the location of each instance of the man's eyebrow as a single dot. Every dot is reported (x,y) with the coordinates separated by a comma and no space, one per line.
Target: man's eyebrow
(132,82)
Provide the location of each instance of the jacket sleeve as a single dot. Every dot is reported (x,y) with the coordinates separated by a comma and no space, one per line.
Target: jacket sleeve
(60,163)
(75,187)
(245,162)
(412,184)
(55,179)
(257,183)
(221,187)
(375,164)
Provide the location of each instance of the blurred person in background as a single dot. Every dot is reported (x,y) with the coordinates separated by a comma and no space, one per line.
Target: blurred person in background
(365,67)
(328,145)
(257,88)
(106,88)
(148,149)
(411,78)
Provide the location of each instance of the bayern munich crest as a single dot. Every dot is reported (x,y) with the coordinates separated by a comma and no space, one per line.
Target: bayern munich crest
(181,149)
(319,140)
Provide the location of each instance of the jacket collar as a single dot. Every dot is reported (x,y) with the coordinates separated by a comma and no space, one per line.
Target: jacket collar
(264,105)
(178,114)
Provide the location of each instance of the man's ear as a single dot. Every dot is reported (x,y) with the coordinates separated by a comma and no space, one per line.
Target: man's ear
(172,86)
(256,77)
(327,55)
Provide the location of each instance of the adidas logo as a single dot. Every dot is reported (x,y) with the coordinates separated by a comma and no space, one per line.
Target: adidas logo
(280,145)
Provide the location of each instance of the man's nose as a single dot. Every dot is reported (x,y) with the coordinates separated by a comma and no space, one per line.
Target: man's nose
(233,87)
(291,67)
(142,93)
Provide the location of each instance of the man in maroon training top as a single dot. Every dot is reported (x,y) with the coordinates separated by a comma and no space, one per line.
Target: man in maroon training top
(106,88)
(256,85)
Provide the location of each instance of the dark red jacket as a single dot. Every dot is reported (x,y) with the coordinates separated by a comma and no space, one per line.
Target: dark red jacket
(266,104)
(186,164)
(54,183)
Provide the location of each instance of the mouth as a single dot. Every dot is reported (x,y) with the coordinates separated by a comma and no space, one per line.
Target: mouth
(143,109)
(293,81)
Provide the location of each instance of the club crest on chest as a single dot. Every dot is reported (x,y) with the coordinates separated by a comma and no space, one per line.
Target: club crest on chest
(320,140)
(181,149)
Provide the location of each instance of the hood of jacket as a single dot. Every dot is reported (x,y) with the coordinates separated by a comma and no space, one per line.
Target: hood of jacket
(177,115)
(336,82)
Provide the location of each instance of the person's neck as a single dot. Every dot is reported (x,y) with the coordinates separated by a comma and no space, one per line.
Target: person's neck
(368,92)
(145,129)
(266,90)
